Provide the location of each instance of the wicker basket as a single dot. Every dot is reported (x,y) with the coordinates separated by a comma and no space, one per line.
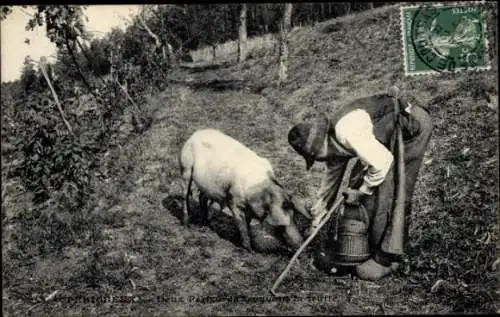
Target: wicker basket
(351,247)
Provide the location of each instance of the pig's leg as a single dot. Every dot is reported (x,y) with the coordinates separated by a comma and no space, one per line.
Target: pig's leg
(241,223)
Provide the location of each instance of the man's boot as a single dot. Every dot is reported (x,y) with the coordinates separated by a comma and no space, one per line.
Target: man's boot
(376,268)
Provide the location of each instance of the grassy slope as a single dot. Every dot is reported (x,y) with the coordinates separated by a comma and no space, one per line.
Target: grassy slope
(147,254)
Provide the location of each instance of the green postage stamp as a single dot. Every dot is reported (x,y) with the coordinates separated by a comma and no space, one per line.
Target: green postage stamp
(444,37)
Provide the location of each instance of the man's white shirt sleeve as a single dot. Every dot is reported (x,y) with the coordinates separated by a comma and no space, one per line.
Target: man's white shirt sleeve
(355,132)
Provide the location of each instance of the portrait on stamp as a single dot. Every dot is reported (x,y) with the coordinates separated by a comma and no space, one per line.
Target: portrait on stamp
(444,37)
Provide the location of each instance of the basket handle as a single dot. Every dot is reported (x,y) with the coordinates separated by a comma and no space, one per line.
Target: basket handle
(364,213)
(362,209)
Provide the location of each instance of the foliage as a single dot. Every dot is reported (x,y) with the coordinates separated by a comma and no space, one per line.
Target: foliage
(29,77)
(4,12)
(63,23)
(53,160)
(214,21)
(99,52)
(57,167)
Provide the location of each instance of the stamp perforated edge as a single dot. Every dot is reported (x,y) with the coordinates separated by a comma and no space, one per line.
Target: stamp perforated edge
(402,7)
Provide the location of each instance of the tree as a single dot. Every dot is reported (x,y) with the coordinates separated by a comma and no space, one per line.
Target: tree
(181,25)
(215,26)
(99,52)
(208,24)
(161,43)
(29,78)
(242,38)
(266,16)
(64,25)
(284,29)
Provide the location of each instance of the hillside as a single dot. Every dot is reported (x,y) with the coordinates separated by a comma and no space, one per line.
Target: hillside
(159,268)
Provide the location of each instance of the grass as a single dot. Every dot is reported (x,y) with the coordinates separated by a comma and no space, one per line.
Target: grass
(151,265)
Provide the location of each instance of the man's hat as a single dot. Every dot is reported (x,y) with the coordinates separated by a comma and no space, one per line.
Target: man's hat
(307,138)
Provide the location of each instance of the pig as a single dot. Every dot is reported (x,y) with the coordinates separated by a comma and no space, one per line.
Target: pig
(229,173)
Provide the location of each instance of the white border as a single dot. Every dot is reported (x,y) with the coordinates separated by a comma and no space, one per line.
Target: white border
(456,70)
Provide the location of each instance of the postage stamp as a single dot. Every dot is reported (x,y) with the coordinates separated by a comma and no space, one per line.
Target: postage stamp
(445,37)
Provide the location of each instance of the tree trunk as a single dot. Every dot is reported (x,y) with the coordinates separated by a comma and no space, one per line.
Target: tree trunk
(284,29)
(265,17)
(242,39)
(169,52)
(214,47)
(251,20)
(347,8)
(310,14)
(370,5)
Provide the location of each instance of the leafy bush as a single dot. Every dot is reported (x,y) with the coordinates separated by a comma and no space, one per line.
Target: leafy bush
(54,159)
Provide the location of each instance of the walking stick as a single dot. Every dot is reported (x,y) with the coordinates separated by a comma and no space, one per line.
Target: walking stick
(304,245)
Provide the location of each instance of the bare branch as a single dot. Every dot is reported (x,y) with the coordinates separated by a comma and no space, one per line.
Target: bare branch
(165,47)
(151,33)
(56,99)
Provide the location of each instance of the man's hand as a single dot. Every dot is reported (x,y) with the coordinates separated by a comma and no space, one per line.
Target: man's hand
(353,196)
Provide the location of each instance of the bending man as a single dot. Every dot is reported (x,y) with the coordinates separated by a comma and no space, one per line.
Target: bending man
(363,129)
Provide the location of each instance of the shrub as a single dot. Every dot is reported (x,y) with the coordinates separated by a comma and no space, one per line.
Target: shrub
(53,161)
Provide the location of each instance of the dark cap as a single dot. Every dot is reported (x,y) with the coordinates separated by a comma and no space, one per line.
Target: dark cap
(307,138)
